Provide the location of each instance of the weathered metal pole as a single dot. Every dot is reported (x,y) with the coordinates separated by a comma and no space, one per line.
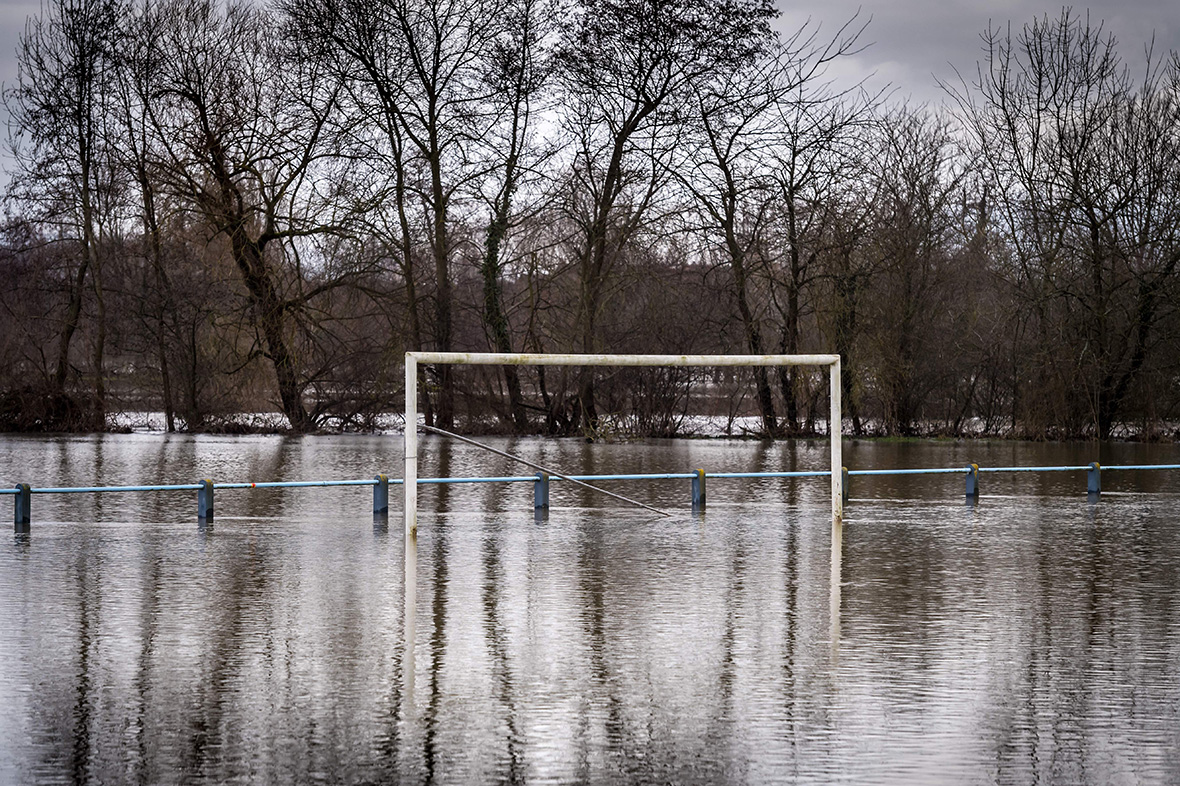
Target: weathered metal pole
(22,508)
(410,476)
(973,481)
(541,491)
(205,500)
(381,495)
(835,428)
(835,424)
(698,490)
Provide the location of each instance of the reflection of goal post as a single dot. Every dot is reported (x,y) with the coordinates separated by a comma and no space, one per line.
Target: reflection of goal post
(410,482)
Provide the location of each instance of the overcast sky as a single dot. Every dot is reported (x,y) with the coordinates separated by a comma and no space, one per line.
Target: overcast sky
(914,41)
(910,41)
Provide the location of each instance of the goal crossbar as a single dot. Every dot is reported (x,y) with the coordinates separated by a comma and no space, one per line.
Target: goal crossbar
(414,359)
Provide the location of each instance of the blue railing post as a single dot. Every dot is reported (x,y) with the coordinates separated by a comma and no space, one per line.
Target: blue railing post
(844,484)
(1094,479)
(541,491)
(205,500)
(698,489)
(381,495)
(973,481)
(22,508)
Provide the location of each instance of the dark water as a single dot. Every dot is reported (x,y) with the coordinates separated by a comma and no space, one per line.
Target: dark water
(1033,638)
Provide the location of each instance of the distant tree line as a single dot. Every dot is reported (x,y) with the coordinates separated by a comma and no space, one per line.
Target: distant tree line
(220,207)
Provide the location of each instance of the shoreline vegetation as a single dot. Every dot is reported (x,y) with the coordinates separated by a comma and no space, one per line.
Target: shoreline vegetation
(612,429)
(221,206)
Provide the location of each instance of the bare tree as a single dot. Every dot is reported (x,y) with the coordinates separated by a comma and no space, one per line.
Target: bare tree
(919,177)
(517,69)
(1078,158)
(727,172)
(362,43)
(733,169)
(134,63)
(815,157)
(445,43)
(242,130)
(628,66)
(57,111)
(415,70)
(848,269)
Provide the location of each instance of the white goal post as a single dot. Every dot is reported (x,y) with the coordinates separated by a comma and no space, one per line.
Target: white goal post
(413,359)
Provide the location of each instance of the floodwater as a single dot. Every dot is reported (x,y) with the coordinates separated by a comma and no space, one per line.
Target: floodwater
(1031,638)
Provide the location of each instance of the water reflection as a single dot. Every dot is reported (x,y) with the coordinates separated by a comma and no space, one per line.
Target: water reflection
(443,452)
(1025,639)
(836,562)
(409,623)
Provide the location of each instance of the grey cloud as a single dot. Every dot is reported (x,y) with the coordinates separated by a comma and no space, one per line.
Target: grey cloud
(913,41)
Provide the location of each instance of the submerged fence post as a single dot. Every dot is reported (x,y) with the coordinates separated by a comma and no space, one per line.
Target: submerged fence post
(1094,478)
(381,494)
(698,489)
(973,481)
(541,491)
(22,508)
(844,484)
(205,500)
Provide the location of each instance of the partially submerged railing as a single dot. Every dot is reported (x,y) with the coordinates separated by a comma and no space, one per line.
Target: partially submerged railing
(541,481)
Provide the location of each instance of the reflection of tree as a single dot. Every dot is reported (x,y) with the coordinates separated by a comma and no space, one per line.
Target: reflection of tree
(792,679)
(603,706)
(88,630)
(439,578)
(726,718)
(504,683)
(145,675)
(242,596)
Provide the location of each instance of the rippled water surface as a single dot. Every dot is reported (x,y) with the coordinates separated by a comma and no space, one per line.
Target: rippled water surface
(1031,638)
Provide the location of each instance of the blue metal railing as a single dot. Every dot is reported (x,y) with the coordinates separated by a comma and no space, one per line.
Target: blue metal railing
(1036,469)
(541,480)
(294,484)
(104,489)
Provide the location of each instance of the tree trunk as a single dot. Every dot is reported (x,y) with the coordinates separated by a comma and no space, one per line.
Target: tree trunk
(847,291)
(754,343)
(100,340)
(497,320)
(586,414)
(90,248)
(790,343)
(1115,391)
(493,300)
(788,375)
(442,302)
(164,305)
(269,309)
(193,417)
(593,268)
(73,315)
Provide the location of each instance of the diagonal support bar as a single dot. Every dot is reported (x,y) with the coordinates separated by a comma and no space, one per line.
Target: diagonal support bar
(551,472)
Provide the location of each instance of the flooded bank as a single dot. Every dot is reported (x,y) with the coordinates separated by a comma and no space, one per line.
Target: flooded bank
(1034,636)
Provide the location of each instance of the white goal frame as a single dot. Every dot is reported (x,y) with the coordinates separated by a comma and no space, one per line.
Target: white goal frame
(413,359)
